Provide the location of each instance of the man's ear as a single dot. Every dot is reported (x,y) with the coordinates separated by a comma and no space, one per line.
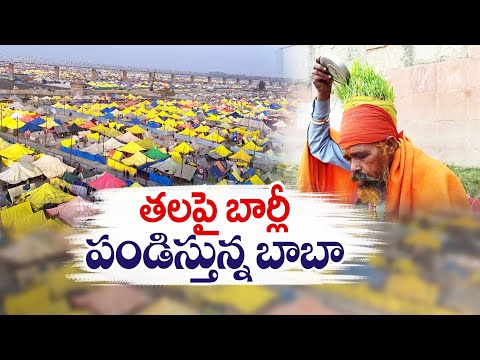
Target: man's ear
(391,145)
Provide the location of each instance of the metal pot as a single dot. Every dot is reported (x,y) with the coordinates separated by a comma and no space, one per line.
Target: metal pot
(336,68)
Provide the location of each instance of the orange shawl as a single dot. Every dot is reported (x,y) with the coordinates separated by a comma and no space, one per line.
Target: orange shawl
(418,184)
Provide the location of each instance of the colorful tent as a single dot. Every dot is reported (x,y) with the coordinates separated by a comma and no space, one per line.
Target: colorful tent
(30,222)
(131,148)
(4,144)
(147,144)
(15,152)
(107,181)
(45,194)
(221,150)
(11,215)
(72,210)
(214,137)
(241,155)
(136,129)
(183,148)
(252,147)
(137,159)
(156,154)
(255,180)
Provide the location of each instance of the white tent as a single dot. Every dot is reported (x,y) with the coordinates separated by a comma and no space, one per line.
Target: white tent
(52,167)
(17,115)
(19,172)
(168,166)
(26,159)
(128,137)
(112,143)
(16,105)
(185,171)
(94,149)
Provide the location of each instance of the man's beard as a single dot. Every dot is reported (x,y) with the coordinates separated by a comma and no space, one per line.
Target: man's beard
(372,190)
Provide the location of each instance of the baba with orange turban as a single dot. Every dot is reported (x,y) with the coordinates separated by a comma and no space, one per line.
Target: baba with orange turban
(418,184)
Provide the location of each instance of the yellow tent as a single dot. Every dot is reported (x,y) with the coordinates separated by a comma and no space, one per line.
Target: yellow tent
(117,155)
(69,142)
(177,157)
(136,159)
(214,137)
(45,194)
(241,155)
(255,180)
(187,132)
(77,121)
(183,148)
(147,144)
(13,214)
(4,144)
(15,152)
(190,113)
(12,124)
(212,117)
(202,129)
(131,148)
(237,176)
(221,150)
(60,183)
(223,182)
(170,123)
(136,129)
(169,128)
(30,222)
(251,146)
(99,128)
(135,184)
(112,132)
(94,136)
(49,123)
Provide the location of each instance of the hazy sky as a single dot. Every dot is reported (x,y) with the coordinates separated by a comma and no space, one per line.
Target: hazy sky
(233,59)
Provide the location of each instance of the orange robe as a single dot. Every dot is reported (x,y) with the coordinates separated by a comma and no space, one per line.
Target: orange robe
(418,184)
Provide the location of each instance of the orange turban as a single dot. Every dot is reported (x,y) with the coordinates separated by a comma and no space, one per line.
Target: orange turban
(366,121)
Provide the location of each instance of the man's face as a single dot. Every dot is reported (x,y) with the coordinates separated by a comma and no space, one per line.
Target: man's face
(369,167)
(364,159)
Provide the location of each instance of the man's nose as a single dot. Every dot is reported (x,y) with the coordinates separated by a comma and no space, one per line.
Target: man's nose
(355,166)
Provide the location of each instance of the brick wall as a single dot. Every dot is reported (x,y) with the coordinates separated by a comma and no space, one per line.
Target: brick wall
(438,107)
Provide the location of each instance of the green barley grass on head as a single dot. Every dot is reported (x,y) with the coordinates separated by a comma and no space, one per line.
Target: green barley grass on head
(364,81)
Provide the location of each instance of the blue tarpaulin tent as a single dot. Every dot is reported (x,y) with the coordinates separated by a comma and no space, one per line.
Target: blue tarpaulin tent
(136,121)
(162,180)
(153,125)
(37,121)
(108,116)
(215,171)
(30,127)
